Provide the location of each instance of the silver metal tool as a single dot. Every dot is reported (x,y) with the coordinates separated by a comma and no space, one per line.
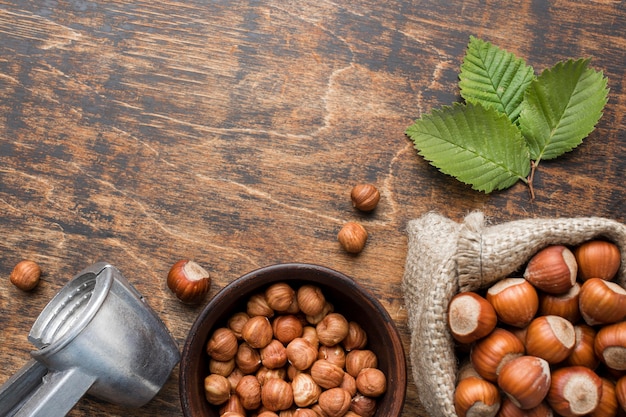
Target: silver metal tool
(97,336)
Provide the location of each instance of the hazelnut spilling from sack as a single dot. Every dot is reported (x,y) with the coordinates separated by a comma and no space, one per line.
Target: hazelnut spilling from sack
(446,258)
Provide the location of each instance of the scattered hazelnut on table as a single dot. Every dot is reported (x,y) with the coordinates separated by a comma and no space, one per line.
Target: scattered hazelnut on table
(25,275)
(352,237)
(188,281)
(364,197)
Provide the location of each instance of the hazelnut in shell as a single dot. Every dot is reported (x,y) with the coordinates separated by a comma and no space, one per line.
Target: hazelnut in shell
(551,338)
(597,259)
(470,317)
(188,281)
(610,345)
(564,305)
(525,380)
(490,353)
(574,391)
(552,269)
(475,396)
(515,301)
(608,400)
(25,275)
(602,302)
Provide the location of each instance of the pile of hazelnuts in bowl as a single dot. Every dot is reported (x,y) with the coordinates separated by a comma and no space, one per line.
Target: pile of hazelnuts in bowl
(293,340)
(550,342)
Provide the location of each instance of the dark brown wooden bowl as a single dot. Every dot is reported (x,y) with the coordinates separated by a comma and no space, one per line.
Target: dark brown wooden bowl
(349,299)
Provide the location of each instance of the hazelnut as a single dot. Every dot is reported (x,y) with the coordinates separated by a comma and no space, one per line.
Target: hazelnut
(223,368)
(551,338)
(286,328)
(249,391)
(574,391)
(332,329)
(470,317)
(552,269)
(236,323)
(310,299)
(335,402)
(608,400)
(583,353)
(280,296)
(188,281)
(356,338)
(248,359)
(610,345)
(363,406)
(371,382)
(274,355)
(352,237)
(276,395)
(490,353)
(257,332)
(597,259)
(349,383)
(326,374)
(328,308)
(233,405)
(515,301)
(301,353)
(360,359)
(25,275)
(509,409)
(476,396)
(264,374)
(602,302)
(257,306)
(307,412)
(333,354)
(305,390)
(216,389)
(222,346)
(525,380)
(364,197)
(309,333)
(564,305)
(234,378)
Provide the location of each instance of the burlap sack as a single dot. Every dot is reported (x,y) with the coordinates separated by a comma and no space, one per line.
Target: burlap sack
(445,257)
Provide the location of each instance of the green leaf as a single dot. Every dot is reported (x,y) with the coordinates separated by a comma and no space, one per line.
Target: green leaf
(477,145)
(561,108)
(494,78)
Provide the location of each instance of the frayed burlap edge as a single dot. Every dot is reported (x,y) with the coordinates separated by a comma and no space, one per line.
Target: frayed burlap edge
(445,257)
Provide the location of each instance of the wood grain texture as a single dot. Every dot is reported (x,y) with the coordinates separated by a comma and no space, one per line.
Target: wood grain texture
(231,132)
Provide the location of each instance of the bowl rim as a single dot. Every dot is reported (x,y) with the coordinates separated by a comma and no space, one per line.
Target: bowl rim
(269,271)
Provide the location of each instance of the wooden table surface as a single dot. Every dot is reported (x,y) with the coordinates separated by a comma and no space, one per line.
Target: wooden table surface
(231,133)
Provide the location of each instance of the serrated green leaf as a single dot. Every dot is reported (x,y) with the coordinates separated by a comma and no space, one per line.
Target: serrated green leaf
(477,145)
(561,107)
(494,77)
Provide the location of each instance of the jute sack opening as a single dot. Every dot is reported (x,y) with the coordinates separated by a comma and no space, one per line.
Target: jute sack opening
(445,257)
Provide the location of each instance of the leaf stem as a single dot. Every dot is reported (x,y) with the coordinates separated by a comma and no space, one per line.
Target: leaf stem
(531,177)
